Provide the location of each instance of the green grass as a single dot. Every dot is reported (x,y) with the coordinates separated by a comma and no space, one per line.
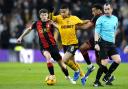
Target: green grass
(31,76)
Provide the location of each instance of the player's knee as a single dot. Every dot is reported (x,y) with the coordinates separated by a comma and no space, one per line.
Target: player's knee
(67,56)
(81,49)
(66,62)
(48,58)
(47,55)
(48,61)
(104,62)
(118,60)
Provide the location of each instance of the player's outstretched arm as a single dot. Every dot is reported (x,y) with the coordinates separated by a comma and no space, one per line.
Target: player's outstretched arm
(86,25)
(26,31)
(85,21)
(51,11)
(56,30)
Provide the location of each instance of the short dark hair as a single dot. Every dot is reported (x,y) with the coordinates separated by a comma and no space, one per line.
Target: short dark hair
(43,11)
(108,4)
(64,6)
(97,6)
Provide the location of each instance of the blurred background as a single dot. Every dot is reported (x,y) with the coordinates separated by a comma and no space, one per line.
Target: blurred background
(16,14)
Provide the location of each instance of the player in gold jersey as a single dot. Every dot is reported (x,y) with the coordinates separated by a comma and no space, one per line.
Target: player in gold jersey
(67,28)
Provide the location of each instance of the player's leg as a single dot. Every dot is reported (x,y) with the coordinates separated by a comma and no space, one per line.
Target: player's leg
(116,61)
(57,57)
(98,61)
(50,66)
(84,50)
(69,54)
(70,62)
(100,71)
(102,67)
(81,71)
(76,67)
(65,71)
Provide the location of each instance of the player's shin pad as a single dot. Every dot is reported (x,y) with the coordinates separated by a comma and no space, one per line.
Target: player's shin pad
(72,65)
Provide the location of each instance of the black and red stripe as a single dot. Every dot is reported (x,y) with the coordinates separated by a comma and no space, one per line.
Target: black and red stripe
(45,33)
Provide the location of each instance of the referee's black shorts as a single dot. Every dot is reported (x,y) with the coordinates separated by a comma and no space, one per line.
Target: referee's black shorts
(107,49)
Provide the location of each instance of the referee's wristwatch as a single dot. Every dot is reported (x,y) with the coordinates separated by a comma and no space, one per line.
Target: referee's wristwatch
(96,42)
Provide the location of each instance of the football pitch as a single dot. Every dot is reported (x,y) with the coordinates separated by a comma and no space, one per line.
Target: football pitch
(32,76)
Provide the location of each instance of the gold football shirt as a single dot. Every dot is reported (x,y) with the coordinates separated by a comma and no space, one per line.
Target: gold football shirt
(67,28)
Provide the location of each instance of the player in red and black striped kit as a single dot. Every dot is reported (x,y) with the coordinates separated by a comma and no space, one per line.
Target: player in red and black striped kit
(48,47)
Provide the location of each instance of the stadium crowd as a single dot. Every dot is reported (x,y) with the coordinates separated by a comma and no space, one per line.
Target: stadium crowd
(15,14)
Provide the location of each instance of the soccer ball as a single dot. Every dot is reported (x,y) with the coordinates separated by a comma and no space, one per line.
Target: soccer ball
(50,79)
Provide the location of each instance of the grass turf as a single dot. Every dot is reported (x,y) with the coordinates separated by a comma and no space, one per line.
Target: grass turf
(31,76)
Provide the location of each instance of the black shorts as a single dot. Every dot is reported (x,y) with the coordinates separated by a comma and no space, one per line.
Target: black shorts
(54,51)
(107,49)
(70,48)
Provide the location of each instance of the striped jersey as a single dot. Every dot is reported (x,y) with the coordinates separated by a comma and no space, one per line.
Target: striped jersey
(45,33)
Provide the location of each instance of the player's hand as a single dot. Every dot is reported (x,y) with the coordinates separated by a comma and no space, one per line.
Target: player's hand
(29,25)
(97,47)
(50,21)
(51,8)
(53,23)
(19,40)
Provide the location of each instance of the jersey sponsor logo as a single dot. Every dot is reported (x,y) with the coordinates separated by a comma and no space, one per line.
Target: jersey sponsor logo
(67,26)
(44,30)
(40,31)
